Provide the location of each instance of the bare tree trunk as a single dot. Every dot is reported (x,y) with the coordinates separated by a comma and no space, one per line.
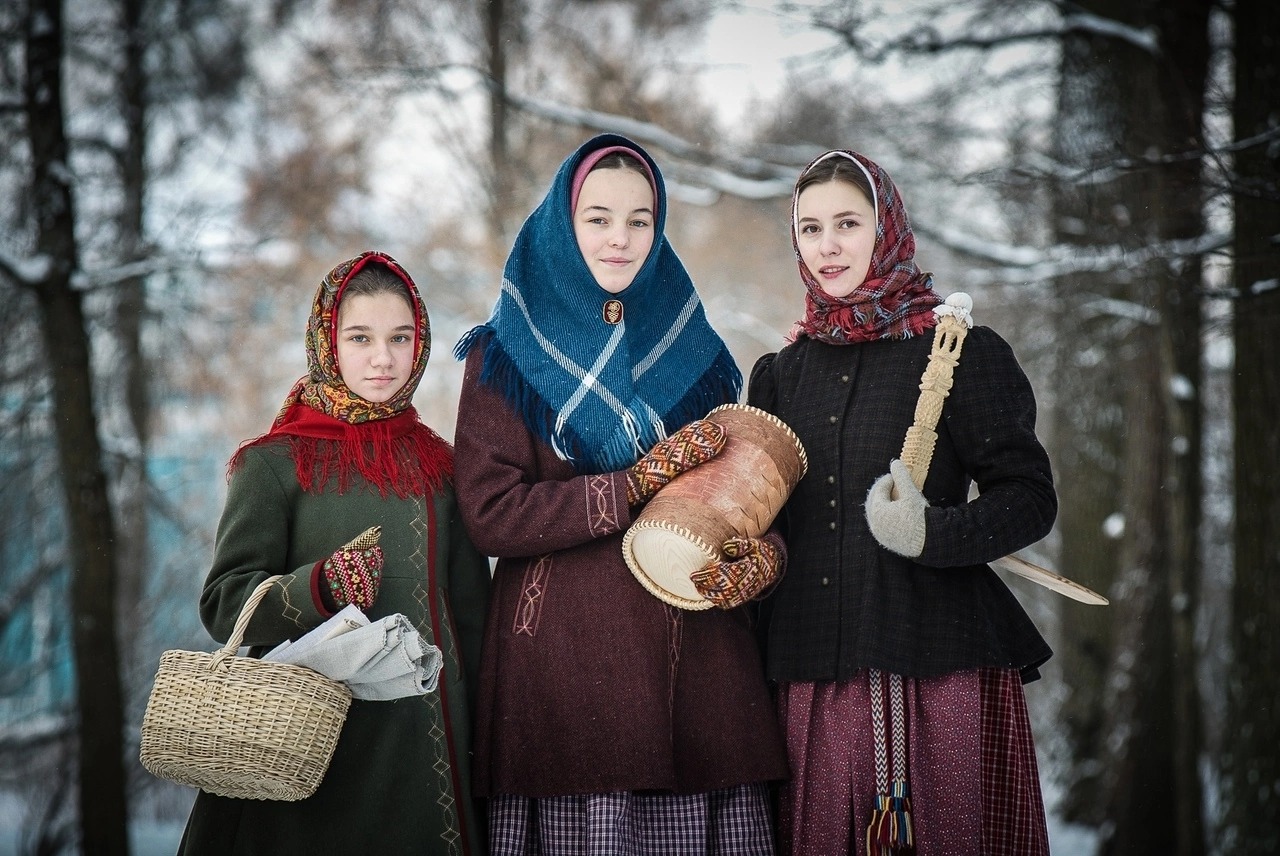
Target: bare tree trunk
(1138,745)
(1135,788)
(131,307)
(102,804)
(1252,764)
(496,30)
(1182,75)
(1090,418)
(1155,796)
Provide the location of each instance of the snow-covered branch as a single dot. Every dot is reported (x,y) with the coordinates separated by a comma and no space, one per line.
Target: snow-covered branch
(25,734)
(31,271)
(107,277)
(741,172)
(1109,307)
(927,40)
(1042,166)
(1143,38)
(704,186)
(28,271)
(1013,264)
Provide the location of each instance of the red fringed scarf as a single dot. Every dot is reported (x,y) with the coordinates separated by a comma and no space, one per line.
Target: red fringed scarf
(398,454)
(897,298)
(332,432)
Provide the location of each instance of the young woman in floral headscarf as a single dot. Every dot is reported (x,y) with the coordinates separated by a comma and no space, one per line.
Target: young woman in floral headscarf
(609,721)
(347,452)
(899,655)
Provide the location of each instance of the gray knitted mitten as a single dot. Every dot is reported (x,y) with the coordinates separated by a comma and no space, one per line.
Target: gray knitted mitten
(898,524)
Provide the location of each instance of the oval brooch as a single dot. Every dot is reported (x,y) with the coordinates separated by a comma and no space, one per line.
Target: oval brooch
(612,311)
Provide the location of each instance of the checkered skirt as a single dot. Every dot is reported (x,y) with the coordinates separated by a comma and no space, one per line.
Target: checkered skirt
(729,822)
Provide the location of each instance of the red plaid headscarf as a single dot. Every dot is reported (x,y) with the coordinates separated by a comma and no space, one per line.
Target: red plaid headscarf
(896,299)
(331,431)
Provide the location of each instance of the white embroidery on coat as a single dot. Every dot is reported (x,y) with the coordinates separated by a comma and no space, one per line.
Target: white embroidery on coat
(602,513)
(529,605)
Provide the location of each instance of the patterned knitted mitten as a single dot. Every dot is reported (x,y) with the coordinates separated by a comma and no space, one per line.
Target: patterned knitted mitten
(695,443)
(750,566)
(354,571)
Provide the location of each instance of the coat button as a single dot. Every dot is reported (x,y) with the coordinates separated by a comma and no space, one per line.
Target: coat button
(831,502)
(834,419)
(826,582)
(844,378)
(831,479)
(832,525)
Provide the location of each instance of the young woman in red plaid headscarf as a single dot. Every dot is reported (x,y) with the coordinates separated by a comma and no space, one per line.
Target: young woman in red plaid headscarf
(898,653)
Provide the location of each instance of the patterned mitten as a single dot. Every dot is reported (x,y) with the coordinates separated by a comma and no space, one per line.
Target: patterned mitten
(354,571)
(750,566)
(898,524)
(695,443)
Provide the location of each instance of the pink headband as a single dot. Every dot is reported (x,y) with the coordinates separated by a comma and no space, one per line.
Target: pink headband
(580,174)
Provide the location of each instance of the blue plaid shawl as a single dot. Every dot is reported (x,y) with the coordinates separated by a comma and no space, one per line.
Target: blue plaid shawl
(601,395)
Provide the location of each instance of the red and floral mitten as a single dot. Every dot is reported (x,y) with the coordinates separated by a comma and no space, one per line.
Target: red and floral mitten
(354,571)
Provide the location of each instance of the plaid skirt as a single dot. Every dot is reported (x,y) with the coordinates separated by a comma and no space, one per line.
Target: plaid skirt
(971,767)
(729,822)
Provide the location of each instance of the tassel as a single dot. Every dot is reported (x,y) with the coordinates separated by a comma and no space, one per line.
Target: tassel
(416,463)
(890,827)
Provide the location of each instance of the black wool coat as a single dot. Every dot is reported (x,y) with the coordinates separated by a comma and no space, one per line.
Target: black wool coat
(846,603)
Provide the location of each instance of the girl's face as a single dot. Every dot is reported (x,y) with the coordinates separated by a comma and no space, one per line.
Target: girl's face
(375,344)
(614,225)
(836,233)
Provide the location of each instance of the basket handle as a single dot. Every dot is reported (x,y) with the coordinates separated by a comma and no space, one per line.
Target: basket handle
(246,613)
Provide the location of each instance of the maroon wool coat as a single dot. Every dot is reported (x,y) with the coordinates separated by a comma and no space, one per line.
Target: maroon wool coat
(588,683)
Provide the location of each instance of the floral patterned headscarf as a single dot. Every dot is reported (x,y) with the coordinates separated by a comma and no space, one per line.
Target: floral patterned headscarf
(334,435)
(896,299)
(322,388)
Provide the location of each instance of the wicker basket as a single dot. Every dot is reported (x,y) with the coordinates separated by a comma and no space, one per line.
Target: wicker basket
(239,727)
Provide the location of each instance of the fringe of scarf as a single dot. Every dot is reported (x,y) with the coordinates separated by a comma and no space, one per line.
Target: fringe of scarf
(398,455)
(719,384)
(867,317)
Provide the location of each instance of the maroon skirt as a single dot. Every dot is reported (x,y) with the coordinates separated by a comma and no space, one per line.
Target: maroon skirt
(970,765)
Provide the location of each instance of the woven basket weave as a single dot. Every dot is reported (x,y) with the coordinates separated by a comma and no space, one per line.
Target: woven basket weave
(239,727)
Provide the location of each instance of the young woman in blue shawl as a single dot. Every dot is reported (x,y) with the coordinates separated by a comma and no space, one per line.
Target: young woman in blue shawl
(608,721)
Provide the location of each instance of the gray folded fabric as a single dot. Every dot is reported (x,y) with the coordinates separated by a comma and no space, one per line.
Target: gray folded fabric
(379,661)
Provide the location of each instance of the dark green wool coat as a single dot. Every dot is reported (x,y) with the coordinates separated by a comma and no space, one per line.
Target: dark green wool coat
(399,781)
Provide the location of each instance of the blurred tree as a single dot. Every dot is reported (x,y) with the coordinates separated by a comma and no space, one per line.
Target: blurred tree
(1089,422)
(1090,377)
(500,24)
(129,74)
(1252,764)
(55,262)
(143,71)
(1130,416)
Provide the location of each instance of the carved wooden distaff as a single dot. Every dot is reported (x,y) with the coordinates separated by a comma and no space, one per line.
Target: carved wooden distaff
(917,449)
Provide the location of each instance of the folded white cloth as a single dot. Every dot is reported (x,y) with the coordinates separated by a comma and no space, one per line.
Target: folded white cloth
(347,619)
(378,660)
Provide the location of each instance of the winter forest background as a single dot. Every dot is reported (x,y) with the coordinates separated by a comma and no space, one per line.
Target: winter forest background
(1102,176)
